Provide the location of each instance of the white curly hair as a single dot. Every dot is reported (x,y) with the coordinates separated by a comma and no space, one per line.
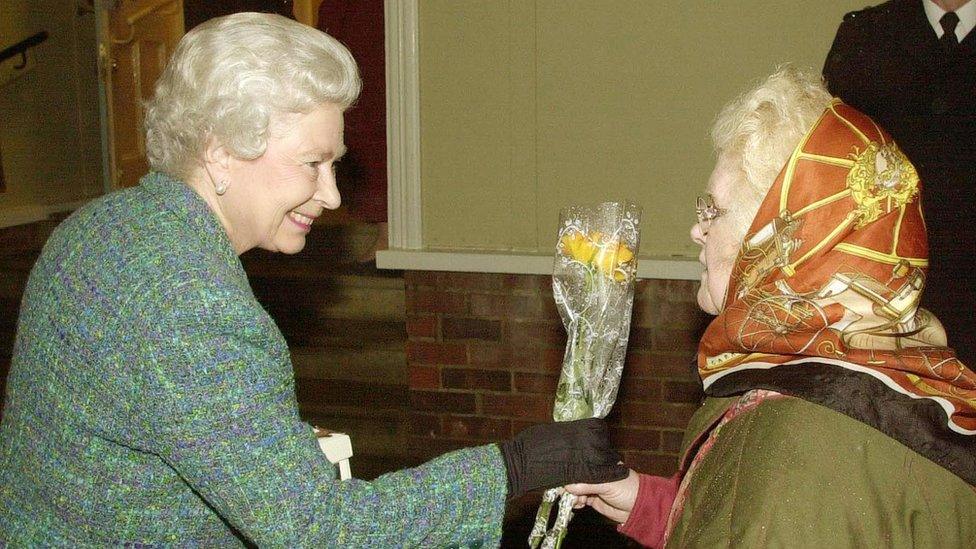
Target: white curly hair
(756,133)
(230,76)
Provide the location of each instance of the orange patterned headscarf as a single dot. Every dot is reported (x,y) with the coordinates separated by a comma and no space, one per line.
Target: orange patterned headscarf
(831,272)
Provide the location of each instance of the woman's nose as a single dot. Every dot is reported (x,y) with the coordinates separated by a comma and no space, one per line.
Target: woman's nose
(328,192)
(697,235)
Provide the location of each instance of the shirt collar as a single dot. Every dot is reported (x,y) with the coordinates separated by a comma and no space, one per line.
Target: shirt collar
(967,18)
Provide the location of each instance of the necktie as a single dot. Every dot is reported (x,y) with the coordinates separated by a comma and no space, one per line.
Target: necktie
(949,22)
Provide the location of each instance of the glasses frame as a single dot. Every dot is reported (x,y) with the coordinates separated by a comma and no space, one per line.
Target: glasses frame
(707,211)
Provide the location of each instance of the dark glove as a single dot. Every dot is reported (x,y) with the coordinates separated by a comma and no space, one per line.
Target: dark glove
(554,454)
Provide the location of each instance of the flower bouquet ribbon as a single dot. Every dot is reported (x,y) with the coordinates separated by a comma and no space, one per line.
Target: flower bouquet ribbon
(593,285)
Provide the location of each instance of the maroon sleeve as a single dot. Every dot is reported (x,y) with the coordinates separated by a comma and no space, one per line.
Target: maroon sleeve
(649,517)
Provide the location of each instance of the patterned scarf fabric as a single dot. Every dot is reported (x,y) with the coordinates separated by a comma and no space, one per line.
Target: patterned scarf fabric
(823,298)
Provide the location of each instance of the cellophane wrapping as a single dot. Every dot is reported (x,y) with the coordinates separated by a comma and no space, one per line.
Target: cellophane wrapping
(593,285)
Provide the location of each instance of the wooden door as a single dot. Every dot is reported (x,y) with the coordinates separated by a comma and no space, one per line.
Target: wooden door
(307,11)
(137,39)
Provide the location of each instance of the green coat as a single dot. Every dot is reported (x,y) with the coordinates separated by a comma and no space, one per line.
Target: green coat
(151,401)
(794,474)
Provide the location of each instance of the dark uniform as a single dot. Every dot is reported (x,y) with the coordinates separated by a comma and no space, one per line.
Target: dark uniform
(888,62)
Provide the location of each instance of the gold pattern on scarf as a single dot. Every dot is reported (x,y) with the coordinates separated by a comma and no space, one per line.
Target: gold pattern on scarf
(881,180)
(781,320)
(770,248)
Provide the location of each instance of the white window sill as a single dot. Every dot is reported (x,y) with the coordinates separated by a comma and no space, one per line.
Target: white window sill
(673,268)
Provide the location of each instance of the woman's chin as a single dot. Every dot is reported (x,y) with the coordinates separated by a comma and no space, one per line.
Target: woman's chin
(291,246)
(705,301)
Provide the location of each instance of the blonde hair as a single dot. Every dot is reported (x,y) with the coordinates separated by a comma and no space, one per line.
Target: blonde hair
(757,132)
(230,76)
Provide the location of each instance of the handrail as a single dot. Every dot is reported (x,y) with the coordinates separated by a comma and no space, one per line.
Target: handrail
(20,48)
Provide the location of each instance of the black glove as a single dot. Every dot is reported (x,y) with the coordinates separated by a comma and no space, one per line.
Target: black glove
(554,454)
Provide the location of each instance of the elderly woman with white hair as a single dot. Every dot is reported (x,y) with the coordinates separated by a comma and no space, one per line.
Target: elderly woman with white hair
(151,399)
(835,416)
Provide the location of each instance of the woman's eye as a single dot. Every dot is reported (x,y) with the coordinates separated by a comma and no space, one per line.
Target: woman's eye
(314,164)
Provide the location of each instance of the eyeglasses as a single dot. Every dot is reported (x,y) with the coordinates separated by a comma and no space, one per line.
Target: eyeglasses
(707,211)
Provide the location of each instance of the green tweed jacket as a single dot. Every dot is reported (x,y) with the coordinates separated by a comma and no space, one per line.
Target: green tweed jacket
(151,401)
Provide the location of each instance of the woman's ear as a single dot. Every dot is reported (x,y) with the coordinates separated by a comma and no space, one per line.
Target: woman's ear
(216,156)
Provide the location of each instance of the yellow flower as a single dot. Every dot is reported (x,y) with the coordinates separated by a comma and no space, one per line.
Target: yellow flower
(579,247)
(611,257)
(595,249)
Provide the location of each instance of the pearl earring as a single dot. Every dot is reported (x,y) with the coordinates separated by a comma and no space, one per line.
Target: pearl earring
(221,187)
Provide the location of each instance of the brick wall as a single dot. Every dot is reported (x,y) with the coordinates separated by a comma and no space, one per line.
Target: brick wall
(484,353)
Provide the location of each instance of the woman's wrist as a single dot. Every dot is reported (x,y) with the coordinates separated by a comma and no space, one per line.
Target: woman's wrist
(649,516)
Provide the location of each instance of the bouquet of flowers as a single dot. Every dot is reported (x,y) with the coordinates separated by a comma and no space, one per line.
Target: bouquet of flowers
(593,285)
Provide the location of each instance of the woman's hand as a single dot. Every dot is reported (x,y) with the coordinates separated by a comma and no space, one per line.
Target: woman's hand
(614,500)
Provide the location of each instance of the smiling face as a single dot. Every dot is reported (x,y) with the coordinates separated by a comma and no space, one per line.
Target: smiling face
(273,200)
(719,241)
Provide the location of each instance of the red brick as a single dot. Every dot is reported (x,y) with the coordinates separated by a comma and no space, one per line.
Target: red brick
(424,377)
(540,284)
(426,448)
(647,289)
(26,239)
(630,438)
(525,382)
(521,406)
(675,341)
(476,379)
(489,305)
(490,355)
(654,307)
(651,463)
(643,414)
(644,314)
(519,425)
(677,291)
(476,427)
(537,359)
(660,365)
(439,401)
(510,306)
(681,315)
(531,307)
(641,339)
(639,389)
(434,301)
(421,278)
(427,425)
(429,352)
(472,281)
(422,326)
(471,328)
(683,391)
(540,333)
(502,356)
(359,394)
(671,441)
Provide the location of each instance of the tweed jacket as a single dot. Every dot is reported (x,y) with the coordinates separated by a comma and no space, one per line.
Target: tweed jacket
(151,401)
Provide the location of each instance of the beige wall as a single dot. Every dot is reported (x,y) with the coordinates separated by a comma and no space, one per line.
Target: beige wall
(49,123)
(530,105)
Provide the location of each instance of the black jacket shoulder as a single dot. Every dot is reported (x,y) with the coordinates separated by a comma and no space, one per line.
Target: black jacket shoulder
(893,9)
